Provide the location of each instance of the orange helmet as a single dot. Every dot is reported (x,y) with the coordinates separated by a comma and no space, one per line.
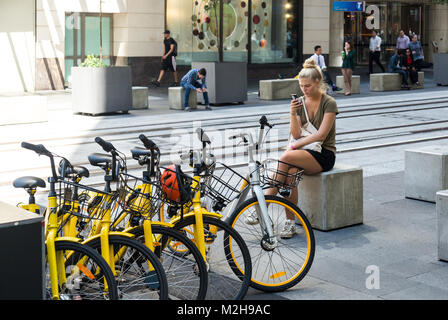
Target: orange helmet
(170,185)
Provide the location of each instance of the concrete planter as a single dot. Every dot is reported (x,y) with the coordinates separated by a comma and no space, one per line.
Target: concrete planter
(279,89)
(226,81)
(101,90)
(440,68)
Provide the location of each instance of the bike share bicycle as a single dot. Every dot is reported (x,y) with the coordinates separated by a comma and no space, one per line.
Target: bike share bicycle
(74,271)
(222,248)
(278,263)
(140,200)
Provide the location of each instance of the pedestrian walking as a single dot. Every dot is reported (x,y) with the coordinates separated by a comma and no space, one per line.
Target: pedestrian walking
(402,42)
(195,80)
(348,64)
(396,66)
(168,59)
(320,61)
(417,52)
(375,51)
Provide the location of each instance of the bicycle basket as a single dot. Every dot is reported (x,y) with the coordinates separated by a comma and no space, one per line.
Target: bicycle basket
(176,186)
(276,173)
(139,196)
(84,202)
(224,185)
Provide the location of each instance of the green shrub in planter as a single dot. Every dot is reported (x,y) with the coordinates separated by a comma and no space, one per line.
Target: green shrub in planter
(93,61)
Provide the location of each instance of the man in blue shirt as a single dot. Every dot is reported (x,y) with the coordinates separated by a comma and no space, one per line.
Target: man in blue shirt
(195,80)
(396,66)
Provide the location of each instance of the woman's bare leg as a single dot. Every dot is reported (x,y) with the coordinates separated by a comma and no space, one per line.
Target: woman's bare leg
(294,198)
(299,158)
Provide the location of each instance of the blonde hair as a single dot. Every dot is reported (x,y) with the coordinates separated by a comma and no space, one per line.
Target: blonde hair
(312,71)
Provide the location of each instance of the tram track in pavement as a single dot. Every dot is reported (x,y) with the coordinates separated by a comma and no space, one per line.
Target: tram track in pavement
(407,134)
(161,132)
(361,110)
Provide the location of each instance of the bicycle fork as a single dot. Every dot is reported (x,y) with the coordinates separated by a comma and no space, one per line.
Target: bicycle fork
(269,240)
(51,248)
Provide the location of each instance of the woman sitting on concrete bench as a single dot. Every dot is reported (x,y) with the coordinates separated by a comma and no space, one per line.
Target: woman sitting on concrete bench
(321,110)
(409,67)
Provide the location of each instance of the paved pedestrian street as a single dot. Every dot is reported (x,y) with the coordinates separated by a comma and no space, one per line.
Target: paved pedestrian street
(392,255)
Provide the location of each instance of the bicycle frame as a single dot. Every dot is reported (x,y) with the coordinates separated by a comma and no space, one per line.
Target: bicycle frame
(55,261)
(255,186)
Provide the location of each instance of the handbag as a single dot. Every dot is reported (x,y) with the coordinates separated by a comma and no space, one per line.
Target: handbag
(307,129)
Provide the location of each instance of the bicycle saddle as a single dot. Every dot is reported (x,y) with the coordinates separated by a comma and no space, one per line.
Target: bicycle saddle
(99,159)
(77,170)
(29,182)
(137,152)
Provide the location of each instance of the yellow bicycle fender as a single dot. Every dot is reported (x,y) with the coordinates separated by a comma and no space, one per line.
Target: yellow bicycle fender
(191,213)
(73,239)
(158,223)
(163,224)
(111,233)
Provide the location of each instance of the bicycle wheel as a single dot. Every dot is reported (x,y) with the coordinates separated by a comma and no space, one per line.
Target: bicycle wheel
(228,259)
(86,274)
(187,272)
(139,273)
(283,265)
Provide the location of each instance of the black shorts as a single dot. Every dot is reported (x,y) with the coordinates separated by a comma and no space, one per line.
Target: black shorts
(169,64)
(326,158)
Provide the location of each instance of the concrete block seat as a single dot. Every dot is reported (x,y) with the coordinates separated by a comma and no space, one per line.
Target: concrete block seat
(140,98)
(442,224)
(277,89)
(176,96)
(333,199)
(356,84)
(426,172)
(392,81)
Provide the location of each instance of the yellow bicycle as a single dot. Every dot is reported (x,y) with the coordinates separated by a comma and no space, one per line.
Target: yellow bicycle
(74,271)
(138,272)
(222,248)
(186,274)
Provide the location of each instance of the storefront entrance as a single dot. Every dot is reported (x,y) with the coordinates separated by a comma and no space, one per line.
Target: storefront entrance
(391,16)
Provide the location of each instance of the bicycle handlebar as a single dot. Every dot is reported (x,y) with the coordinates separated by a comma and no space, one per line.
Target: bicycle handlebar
(107,146)
(41,150)
(38,148)
(264,122)
(242,135)
(148,143)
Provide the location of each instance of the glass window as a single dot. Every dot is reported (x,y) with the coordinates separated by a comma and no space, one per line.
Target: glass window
(274,31)
(92,35)
(82,37)
(194,24)
(235,23)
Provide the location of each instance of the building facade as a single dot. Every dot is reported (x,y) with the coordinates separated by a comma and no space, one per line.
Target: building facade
(43,39)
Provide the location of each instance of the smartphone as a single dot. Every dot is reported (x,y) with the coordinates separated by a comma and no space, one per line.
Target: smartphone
(293,96)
